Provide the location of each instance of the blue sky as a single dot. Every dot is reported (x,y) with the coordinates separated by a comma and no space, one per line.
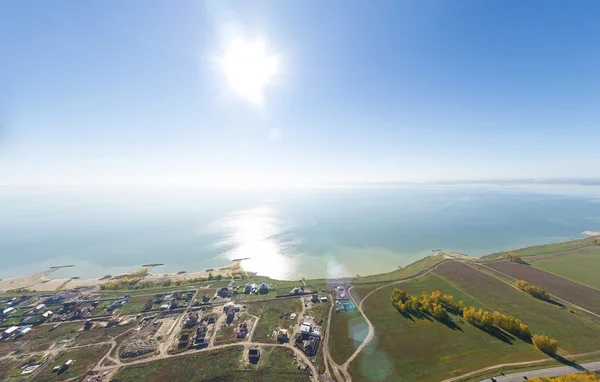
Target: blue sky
(134,92)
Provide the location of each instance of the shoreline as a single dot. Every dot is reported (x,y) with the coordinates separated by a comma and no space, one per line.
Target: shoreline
(40,282)
(590,233)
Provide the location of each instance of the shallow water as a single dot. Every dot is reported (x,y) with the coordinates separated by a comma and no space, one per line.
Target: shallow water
(285,233)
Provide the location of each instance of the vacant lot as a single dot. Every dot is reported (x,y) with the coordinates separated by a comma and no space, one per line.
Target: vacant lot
(574,334)
(227,334)
(95,335)
(346,332)
(423,350)
(575,293)
(42,337)
(581,265)
(134,305)
(84,359)
(9,370)
(273,314)
(218,365)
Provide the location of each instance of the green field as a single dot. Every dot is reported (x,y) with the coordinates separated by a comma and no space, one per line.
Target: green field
(423,350)
(580,265)
(574,333)
(400,273)
(40,338)
(84,359)
(273,314)
(9,370)
(96,335)
(219,365)
(346,332)
(545,248)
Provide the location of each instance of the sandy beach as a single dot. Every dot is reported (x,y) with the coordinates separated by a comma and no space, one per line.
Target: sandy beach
(590,233)
(41,282)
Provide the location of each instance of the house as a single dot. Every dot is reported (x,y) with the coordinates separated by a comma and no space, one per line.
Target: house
(293,316)
(242,330)
(310,346)
(305,327)
(224,292)
(283,336)
(230,314)
(323,299)
(254,355)
(308,343)
(315,298)
(8,311)
(183,341)
(165,306)
(39,307)
(48,314)
(263,289)
(23,331)
(10,331)
(192,320)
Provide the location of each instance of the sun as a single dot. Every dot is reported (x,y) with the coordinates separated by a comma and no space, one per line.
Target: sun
(248,67)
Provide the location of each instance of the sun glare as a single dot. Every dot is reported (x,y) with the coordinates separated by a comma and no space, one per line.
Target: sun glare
(249,68)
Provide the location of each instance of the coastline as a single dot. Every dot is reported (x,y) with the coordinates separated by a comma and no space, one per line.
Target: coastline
(590,233)
(41,282)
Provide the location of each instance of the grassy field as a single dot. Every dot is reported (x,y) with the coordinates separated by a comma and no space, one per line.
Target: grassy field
(347,331)
(273,314)
(84,359)
(42,337)
(219,365)
(580,265)
(400,273)
(134,306)
(227,334)
(574,333)
(9,370)
(96,335)
(575,293)
(545,248)
(423,350)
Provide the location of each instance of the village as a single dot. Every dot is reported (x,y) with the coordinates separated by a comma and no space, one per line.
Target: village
(39,330)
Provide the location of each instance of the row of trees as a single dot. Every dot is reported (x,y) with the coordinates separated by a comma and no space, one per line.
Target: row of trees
(488,320)
(124,283)
(536,292)
(438,305)
(435,304)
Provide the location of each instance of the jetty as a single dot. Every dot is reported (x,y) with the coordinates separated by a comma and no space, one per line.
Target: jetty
(62,266)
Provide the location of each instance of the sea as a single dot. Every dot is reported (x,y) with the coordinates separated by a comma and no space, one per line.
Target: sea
(285,234)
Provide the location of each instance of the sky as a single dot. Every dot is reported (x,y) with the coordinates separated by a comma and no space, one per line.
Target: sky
(237,93)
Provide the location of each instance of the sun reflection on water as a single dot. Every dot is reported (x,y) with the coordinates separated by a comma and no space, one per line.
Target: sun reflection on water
(260,236)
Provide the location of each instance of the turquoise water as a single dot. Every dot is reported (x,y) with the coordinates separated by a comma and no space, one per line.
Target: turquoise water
(285,233)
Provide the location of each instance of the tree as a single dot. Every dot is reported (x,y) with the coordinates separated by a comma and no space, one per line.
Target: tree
(219,277)
(210,275)
(545,344)
(513,257)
